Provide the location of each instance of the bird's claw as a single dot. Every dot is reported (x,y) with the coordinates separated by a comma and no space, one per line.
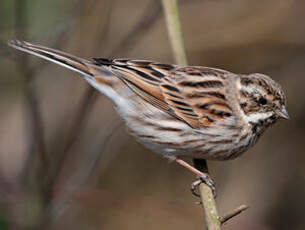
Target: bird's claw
(203,179)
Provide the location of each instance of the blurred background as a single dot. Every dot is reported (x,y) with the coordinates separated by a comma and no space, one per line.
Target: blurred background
(66,160)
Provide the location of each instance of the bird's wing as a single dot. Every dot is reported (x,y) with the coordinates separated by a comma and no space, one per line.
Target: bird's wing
(195,95)
(143,77)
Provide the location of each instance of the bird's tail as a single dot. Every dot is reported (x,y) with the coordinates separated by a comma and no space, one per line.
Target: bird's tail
(71,62)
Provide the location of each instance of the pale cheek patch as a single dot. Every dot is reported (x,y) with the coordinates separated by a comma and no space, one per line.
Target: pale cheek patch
(255,117)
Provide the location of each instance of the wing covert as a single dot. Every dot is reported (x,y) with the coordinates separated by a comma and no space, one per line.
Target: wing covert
(195,95)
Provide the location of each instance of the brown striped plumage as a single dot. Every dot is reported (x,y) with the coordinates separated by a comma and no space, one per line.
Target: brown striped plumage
(193,111)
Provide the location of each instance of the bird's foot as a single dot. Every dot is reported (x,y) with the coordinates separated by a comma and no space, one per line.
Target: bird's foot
(203,178)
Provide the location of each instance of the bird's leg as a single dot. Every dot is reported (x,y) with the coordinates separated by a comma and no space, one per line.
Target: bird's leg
(203,177)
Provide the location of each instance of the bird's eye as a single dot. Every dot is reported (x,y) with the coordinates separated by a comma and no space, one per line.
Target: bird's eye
(262,101)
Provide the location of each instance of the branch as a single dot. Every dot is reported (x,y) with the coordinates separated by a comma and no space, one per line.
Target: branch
(175,34)
(207,198)
(233,213)
(213,220)
(174,30)
(210,209)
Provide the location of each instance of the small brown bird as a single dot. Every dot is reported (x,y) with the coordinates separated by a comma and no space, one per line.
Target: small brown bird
(192,111)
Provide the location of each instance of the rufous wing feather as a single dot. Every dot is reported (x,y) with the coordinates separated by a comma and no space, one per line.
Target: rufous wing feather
(194,95)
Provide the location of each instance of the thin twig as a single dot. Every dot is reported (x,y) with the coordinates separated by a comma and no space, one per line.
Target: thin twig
(210,209)
(174,30)
(213,220)
(207,199)
(233,213)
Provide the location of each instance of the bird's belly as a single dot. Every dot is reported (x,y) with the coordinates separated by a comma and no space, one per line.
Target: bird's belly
(170,137)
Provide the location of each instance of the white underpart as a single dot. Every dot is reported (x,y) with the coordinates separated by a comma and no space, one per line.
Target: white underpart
(172,123)
(104,89)
(126,109)
(255,117)
(122,104)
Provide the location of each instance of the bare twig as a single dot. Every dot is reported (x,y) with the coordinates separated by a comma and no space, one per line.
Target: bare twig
(210,209)
(174,30)
(207,199)
(233,213)
(173,25)
(213,220)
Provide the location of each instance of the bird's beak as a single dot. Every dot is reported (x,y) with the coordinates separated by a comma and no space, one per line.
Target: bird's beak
(283,113)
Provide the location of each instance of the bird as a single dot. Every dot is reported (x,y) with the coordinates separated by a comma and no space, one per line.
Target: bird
(181,111)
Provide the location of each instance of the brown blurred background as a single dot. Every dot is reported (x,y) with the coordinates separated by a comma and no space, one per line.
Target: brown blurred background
(66,161)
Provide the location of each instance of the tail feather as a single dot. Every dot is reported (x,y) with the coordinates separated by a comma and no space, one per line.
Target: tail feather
(71,62)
